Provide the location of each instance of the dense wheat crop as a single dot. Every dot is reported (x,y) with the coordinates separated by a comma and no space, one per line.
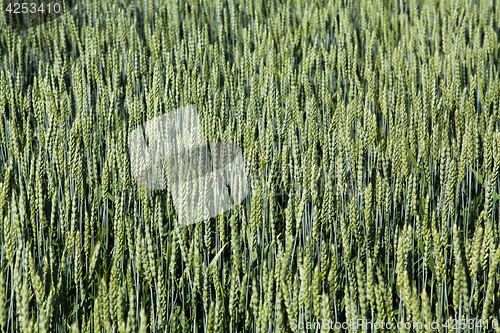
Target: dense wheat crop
(370,132)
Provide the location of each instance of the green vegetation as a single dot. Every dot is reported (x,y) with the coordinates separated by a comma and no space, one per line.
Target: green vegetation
(370,131)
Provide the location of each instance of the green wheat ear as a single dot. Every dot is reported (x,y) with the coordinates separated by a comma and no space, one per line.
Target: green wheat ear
(371,147)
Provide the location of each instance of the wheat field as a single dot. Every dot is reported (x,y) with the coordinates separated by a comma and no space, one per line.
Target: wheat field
(370,133)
